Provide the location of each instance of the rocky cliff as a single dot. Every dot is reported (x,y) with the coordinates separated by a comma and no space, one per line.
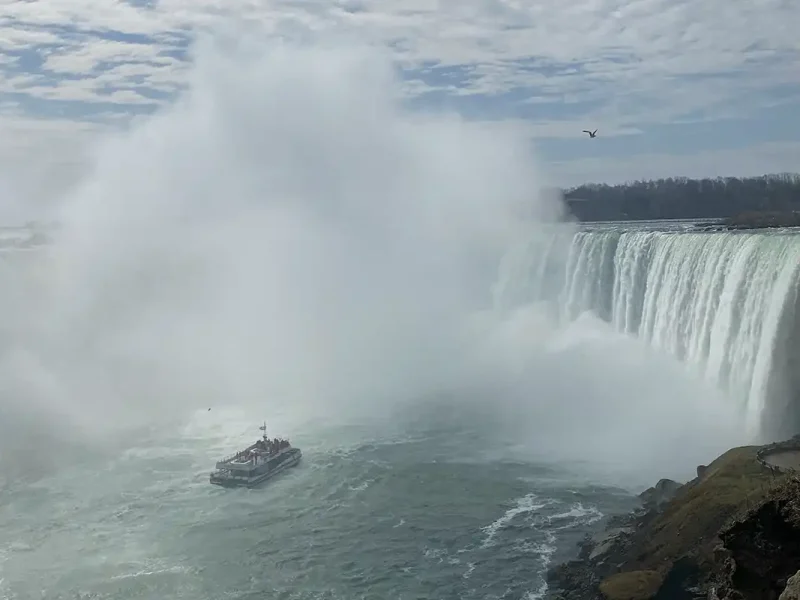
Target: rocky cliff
(732,533)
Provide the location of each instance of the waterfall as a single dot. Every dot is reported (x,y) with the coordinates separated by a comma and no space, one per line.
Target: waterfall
(723,302)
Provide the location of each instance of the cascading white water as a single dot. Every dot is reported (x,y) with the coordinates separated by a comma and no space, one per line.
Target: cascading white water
(724,303)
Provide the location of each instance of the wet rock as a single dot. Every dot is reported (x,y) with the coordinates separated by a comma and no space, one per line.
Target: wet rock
(658,495)
(792,589)
(633,585)
(765,546)
(682,582)
(605,542)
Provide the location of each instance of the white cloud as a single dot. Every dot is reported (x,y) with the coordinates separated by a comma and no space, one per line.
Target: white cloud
(638,41)
(39,160)
(19,38)
(84,56)
(618,64)
(82,14)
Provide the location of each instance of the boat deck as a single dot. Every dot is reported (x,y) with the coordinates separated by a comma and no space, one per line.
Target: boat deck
(251,477)
(256,463)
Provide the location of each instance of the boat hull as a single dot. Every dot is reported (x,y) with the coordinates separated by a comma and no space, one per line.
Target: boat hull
(257,479)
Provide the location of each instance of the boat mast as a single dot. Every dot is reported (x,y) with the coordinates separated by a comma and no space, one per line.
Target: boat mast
(264,429)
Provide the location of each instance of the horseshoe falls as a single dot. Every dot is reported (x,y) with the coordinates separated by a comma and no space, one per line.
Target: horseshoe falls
(723,303)
(323,268)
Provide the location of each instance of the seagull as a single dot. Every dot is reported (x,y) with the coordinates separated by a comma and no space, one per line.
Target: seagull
(591,133)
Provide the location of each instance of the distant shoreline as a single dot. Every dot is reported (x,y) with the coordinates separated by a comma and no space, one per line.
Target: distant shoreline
(684,198)
(760,220)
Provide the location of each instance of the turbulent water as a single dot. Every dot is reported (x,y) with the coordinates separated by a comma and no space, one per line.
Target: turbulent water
(426,513)
(434,502)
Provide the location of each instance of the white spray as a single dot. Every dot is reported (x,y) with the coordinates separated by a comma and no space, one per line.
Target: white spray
(288,233)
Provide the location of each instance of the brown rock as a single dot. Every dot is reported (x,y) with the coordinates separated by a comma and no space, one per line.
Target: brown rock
(764,545)
(658,495)
(792,589)
(634,585)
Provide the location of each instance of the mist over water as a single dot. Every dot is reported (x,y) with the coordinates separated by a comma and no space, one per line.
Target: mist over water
(288,237)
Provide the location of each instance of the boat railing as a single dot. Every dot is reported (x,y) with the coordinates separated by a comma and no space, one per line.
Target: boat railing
(232,457)
(242,454)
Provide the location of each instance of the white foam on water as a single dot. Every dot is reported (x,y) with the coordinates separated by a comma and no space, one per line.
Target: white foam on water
(527,504)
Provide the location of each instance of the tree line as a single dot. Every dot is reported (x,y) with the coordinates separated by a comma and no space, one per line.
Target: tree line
(684,198)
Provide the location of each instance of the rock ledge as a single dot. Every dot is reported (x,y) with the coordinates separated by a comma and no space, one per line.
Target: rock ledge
(732,533)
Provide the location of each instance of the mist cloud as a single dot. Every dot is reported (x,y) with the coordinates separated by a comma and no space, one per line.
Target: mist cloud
(289,234)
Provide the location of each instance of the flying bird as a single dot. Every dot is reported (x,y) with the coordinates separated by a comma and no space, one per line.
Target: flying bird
(591,133)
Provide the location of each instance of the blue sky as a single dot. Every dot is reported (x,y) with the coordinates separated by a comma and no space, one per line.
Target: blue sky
(675,87)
